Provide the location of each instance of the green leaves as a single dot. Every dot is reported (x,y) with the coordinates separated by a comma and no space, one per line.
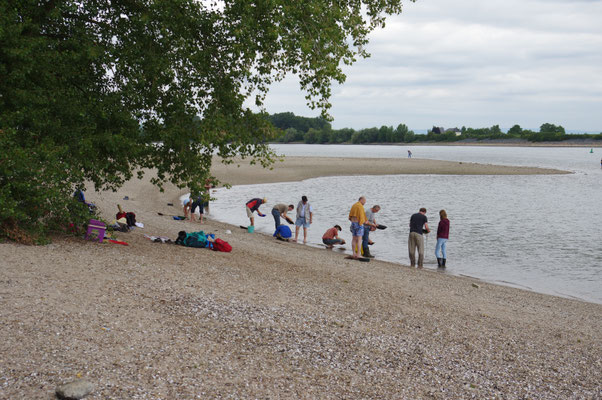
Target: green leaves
(93,91)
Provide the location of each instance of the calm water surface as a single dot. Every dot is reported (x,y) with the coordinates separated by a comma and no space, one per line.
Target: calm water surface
(542,233)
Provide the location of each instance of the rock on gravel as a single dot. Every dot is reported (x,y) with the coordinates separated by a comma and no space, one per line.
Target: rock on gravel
(74,390)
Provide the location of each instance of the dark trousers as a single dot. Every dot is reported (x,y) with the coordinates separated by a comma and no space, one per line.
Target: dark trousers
(366,239)
(276,216)
(200,204)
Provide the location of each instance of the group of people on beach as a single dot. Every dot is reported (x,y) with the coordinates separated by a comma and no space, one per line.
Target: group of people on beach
(419,226)
(362,223)
(304,216)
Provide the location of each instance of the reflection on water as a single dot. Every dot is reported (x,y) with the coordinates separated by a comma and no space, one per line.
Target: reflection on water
(538,232)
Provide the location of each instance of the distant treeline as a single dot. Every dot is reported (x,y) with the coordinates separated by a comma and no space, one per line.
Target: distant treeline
(318,130)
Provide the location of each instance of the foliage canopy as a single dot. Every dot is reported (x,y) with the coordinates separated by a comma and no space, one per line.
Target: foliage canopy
(317,130)
(93,91)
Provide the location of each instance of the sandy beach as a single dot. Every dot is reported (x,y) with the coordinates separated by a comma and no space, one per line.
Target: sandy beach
(274,319)
(300,168)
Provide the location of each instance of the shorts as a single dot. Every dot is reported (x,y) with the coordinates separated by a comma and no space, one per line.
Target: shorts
(200,204)
(249,212)
(330,242)
(301,222)
(357,229)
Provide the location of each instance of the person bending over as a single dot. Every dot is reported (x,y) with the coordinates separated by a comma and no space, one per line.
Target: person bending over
(186,206)
(280,210)
(370,225)
(253,205)
(331,237)
(200,202)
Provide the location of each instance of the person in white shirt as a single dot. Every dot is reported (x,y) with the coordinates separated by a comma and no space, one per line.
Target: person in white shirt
(304,218)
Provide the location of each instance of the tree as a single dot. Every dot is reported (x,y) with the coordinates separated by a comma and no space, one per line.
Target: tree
(291,135)
(385,134)
(285,121)
(496,130)
(400,132)
(515,131)
(311,136)
(551,128)
(342,135)
(324,135)
(98,91)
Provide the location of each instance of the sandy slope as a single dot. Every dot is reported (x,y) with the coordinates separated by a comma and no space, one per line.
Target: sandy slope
(274,320)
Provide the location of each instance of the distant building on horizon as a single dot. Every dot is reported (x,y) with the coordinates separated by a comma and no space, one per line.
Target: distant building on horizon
(457,131)
(439,130)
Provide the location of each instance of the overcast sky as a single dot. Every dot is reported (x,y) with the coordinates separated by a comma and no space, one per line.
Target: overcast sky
(473,63)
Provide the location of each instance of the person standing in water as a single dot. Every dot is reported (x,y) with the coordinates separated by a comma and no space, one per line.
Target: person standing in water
(370,225)
(418,226)
(304,218)
(442,236)
(357,217)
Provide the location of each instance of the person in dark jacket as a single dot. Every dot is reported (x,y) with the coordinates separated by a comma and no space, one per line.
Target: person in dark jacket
(442,236)
(418,226)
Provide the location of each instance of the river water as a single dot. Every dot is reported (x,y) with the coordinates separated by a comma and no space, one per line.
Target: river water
(538,232)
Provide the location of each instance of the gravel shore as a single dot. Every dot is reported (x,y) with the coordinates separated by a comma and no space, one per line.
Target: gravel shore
(274,319)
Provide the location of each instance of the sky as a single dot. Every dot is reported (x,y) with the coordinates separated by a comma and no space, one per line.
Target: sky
(473,63)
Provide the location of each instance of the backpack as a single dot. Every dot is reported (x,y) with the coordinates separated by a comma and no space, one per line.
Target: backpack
(195,239)
(283,232)
(130,218)
(221,245)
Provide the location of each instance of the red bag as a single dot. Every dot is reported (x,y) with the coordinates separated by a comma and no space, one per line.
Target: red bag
(220,245)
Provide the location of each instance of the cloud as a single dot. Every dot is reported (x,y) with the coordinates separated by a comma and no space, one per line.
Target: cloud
(474,64)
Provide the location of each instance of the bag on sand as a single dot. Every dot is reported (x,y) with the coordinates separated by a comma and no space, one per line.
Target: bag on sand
(282,232)
(130,218)
(221,245)
(192,239)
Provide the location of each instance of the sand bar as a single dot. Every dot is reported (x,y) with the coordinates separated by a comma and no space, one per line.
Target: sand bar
(300,168)
(274,320)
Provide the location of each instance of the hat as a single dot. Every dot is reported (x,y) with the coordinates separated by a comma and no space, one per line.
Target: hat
(265,200)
